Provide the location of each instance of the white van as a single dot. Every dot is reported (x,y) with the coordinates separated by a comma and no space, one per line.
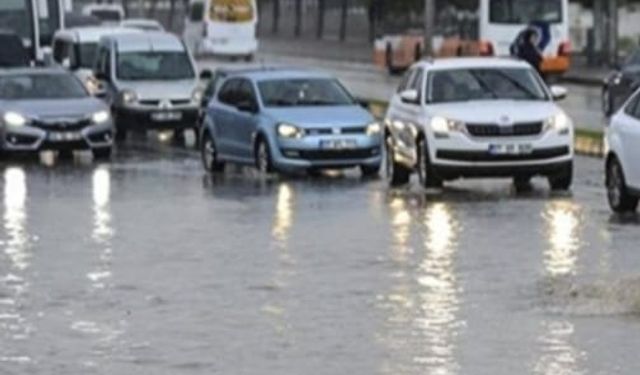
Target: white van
(222,27)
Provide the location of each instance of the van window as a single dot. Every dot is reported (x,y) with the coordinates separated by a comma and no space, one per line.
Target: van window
(231,10)
(154,65)
(196,12)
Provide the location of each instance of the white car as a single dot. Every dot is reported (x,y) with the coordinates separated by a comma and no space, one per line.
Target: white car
(622,145)
(478,117)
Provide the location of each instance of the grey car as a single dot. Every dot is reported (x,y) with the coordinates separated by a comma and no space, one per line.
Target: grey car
(50,109)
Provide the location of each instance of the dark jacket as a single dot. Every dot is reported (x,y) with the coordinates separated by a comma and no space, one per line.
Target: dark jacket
(530,53)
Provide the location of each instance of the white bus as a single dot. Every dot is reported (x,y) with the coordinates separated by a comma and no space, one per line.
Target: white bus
(34,21)
(478,27)
(222,27)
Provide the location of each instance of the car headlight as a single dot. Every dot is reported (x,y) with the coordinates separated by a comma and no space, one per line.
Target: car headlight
(100,117)
(290,131)
(560,122)
(129,97)
(374,129)
(403,127)
(196,96)
(14,119)
(442,126)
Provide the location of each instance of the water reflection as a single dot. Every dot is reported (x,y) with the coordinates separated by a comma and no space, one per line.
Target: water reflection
(13,324)
(558,356)
(439,296)
(102,226)
(424,302)
(562,225)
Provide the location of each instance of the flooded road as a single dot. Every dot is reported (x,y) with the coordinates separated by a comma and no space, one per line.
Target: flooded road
(148,266)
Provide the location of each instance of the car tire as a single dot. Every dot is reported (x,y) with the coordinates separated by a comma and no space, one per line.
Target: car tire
(607,102)
(103,153)
(263,159)
(522,184)
(370,170)
(428,178)
(618,195)
(397,174)
(209,155)
(121,132)
(562,180)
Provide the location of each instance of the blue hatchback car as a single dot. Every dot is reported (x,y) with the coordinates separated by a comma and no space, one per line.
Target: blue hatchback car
(284,120)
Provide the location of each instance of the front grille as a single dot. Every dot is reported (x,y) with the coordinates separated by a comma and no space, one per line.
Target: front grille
(329,130)
(156,102)
(150,102)
(354,130)
(61,124)
(516,130)
(180,101)
(362,153)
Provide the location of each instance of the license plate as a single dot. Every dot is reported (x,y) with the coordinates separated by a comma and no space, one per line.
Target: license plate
(338,144)
(64,136)
(166,116)
(511,149)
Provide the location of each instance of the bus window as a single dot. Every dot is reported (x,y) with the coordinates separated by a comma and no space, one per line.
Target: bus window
(231,11)
(15,15)
(196,12)
(525,11)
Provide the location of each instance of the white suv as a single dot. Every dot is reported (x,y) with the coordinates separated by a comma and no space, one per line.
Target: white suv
(622,144)
(478,117)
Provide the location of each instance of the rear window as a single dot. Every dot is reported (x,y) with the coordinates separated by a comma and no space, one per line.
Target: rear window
(525,11)
(41,86)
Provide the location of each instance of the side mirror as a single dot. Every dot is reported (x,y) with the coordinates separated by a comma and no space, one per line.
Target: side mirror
(206,75)
(247,106)
(558,93)
(410,96)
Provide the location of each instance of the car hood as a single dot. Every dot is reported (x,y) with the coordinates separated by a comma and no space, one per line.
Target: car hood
(321,116)
(158,90)
(495,112)
(53,108)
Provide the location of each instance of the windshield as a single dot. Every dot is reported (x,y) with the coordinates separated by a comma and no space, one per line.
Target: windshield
(154,66)
(525,11)
(303,92)
(484,84)
(231,10)
(106,15)
(87,55)
(41,86)
(15,16)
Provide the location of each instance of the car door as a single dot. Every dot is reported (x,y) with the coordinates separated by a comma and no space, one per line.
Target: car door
(245,121)
(221,113)
(629,131)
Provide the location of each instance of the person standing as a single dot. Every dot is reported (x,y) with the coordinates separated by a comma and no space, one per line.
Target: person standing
(528,50)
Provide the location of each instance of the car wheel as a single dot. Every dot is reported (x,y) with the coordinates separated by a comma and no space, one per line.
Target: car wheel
(102,153)
(562,180)
(396,173)
(370,170)
(607,102)
(428,178)
(264,163)
(617,193)
(121,132)
(209,155)
(522,184)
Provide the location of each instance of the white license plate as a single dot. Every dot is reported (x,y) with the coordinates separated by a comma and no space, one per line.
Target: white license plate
(511,149)
(338,144)
(166,116)
(64,136)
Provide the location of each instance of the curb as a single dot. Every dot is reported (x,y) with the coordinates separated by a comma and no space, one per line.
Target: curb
(587,142)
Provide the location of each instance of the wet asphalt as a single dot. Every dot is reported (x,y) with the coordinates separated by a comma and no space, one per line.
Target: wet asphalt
(146,265)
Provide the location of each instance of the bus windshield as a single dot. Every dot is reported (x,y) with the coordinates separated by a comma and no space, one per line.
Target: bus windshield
(15,15)
(525,11)
(232,11)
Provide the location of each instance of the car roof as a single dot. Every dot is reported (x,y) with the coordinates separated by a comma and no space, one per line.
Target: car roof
(472,63)
(30,71)
(147,41)
(93,34)
(269,73)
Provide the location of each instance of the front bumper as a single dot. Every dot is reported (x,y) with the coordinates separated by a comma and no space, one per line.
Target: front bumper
(144,118)
(307,152)
(33,139)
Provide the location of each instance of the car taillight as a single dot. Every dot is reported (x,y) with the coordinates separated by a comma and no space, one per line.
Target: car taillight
(486,49)
(564,49)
